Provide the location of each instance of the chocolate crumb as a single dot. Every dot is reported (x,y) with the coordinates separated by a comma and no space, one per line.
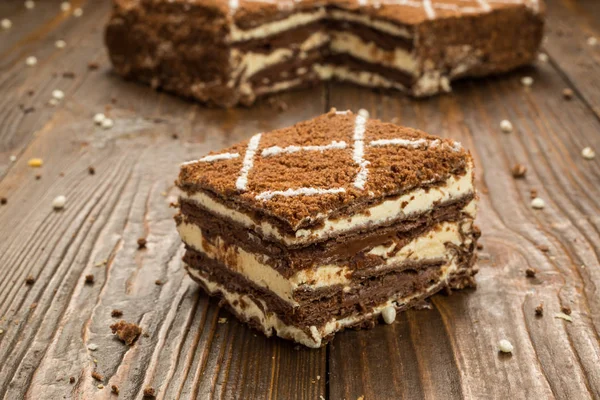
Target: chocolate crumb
(158,282)
(89,279)
(38,177)
(566,310)
(3,200)
(479,246)
(91,170)
(116,313)
(72,380)
(519,171)
(533,193)
(113,100)
(175,136)
(28,110)
(127,332)
(30,280)
(539,310)
(97,376)
(114,389)
(567,94)
(68,74)
(544,248)
(92,66)
(30,92)
(530,272)
(149,392)
(142,243)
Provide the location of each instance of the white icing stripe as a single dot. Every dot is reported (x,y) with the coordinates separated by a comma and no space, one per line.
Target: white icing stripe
(276,150)
(484,5)
(359,152)
(306,191)
(428,9)
(242,181)
(400,142)
(214,157)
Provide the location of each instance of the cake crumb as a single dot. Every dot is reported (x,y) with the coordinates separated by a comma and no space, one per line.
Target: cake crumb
(539,310)
(543,248)
(114,389)
(127,332)
(3,200)
(530,272)
(158,282)
(506,126)
(92,66)
(566,310)
(588,153)
(116,313)
(72,380)
(519,171)
(563,316)
(505,346)
(141,243)
(89,279)
(567,94)
(30,280)
(91,170)
(538,203)
(389,315)
(97,376)
(149,392)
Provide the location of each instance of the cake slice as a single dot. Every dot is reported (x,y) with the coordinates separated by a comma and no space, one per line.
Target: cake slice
(325,225)
(231,52)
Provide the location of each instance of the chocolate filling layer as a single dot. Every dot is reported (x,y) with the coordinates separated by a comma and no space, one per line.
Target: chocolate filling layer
(355,64)
(332,302)
(348,248)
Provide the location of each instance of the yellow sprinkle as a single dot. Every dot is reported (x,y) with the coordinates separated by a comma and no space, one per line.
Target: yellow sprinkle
(35,162)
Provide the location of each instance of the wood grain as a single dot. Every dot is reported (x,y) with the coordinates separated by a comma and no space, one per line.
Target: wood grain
(188,351)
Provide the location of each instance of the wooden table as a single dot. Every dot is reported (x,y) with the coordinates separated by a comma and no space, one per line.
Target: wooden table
(446,352)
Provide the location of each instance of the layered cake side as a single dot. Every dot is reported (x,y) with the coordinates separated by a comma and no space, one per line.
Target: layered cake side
(308,230)
(229,52)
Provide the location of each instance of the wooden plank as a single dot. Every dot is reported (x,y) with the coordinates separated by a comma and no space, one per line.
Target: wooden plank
(451,351)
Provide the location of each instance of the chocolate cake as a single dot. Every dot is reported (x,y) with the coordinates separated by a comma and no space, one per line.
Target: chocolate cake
(229,52)
(328,224)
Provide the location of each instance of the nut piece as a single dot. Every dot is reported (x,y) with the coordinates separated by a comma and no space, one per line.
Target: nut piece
(506,126)
(89,279)
(539,310)
(519,171)
(505,346)
(538,203)
(588,153)
(389,314)
(530,272)
(126,332)
(59,202)
(149,392)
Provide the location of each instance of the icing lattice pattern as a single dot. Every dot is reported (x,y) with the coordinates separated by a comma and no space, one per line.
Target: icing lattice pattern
(357,149)
(429,7)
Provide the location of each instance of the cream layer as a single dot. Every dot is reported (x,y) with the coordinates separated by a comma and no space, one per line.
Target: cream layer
(416,202)
(429,246)
(314,337)
(348,43)
(304,18)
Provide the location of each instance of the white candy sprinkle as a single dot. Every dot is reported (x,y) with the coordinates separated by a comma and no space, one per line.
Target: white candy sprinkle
(98,118)
(389,314)
(543,57)
(60,44)
(31,61)
(13,158)
(30,4)
(6,23)
(59,202)
(527,81)
(506,126)
(505,346)
(53,102)
(58,94)
(107,123)
(563,316)
(65,6)
(588,153)
(92,347)
(592,41)
(538,203)
(78,12)
(364,113)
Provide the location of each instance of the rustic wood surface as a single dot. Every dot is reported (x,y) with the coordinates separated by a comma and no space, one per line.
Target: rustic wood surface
(448,351)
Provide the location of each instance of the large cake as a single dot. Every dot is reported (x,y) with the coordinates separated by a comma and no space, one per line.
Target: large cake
(329,224)
(229,52)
